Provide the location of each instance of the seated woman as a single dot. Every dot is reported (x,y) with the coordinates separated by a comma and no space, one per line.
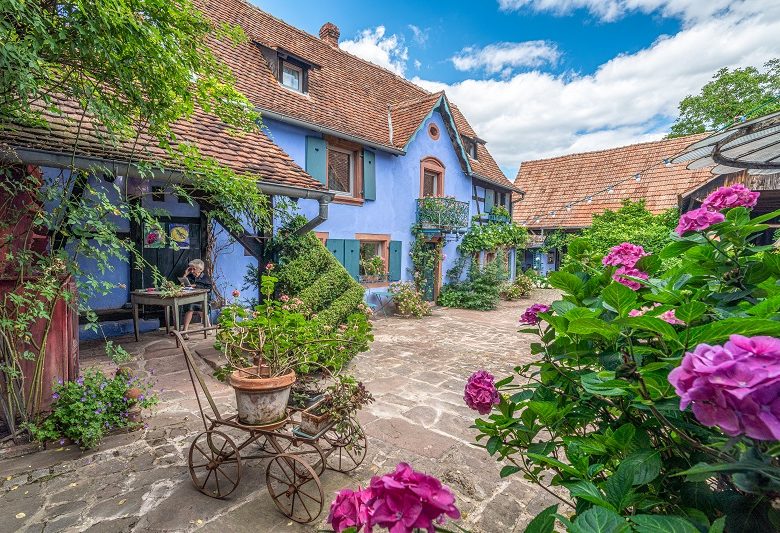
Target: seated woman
(198,279)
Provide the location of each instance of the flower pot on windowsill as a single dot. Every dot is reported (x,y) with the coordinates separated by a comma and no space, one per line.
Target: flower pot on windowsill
(261,400)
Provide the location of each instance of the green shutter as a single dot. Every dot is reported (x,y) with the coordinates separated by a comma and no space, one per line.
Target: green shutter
(336,247)
(369,175)
(395,261)
(488,200)
(316,159)
(352,257)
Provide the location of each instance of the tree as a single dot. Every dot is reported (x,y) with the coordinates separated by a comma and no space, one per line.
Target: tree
(129,70)
(731,93)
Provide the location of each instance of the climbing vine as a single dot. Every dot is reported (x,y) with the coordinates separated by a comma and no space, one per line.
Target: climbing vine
(492,236)
(424,256)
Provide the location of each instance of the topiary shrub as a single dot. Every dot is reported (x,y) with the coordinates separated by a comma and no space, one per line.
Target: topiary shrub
(326,289)
(350,302)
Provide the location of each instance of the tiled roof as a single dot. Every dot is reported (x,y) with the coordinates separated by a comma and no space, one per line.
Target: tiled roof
(345,93)
(551,184)
(245,153)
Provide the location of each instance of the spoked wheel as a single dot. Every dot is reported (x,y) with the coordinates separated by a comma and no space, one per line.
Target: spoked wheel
(311,453)
(349,447)
(215,465)
(294,487)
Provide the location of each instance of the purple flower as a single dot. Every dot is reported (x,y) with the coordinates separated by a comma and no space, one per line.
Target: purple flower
(732,386)
(55,396)
(481,394)
(531,315)
(350,509)
(406,499)
(734,196)
(59,381)
(80,380)
(671,318)
(62,442)
(621,273)
(697,220)
(625,254)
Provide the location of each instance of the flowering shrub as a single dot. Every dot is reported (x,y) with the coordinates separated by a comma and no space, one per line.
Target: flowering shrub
(85,409)
(519,288)
(530,316)
(481,393)
(402,501)
(654,406)
(408,300)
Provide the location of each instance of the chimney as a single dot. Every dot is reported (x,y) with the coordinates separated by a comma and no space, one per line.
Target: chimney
(330,34)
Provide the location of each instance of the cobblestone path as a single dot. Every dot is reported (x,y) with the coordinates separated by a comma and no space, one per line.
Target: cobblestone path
(416,370)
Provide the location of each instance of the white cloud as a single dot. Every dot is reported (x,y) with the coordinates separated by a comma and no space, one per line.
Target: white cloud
(631,98)
(504,57)
(420,35)
(417,64)
(386,51)
(610,10)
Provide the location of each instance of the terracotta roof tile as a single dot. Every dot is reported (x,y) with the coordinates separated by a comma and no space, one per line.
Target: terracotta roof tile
(245,153)
(551,184)
(345,93)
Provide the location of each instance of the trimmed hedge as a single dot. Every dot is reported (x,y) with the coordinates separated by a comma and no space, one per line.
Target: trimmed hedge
(303,271)
(326,289)
(346,304)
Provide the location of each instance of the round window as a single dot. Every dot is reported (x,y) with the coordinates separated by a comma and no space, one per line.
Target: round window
(433,131)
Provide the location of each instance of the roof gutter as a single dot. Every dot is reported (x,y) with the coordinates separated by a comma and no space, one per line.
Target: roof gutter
(33,156)
(328,131)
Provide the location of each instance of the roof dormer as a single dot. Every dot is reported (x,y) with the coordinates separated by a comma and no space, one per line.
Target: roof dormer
(291,70)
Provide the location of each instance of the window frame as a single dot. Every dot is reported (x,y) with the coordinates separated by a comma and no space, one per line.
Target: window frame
(433,165)
(301,73)
(352,164)
(355,196)
(383,239)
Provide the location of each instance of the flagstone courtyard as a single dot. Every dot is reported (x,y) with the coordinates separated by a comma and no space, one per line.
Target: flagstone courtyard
(416,370)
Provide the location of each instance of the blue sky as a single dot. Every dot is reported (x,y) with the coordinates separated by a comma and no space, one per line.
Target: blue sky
(540,78)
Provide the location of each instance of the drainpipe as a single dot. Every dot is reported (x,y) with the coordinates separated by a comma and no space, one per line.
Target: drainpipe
(321,217)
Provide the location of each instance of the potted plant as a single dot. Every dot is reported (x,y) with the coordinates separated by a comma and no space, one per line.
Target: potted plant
(341,401)
(373,269)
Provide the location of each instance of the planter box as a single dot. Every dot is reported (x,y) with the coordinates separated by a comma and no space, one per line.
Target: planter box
(314,424)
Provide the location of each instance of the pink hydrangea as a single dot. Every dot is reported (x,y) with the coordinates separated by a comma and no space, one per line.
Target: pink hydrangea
(623,271)
(643,310)
(697,220)
(625,254)
(481,394)
(735,387)
(350,509)
(406,499)
(734,196)
(531,315)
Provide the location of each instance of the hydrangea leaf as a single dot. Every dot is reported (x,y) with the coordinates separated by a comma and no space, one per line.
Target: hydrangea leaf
(646,523)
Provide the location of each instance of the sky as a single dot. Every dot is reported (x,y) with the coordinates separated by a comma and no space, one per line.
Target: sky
(542,78)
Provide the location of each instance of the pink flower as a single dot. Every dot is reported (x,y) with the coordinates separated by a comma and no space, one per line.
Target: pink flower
(625,254)
(734,196)
(269,267)
(531,315)
(481,394)
(669,316)
(697,220)
(406,500)
(236,293)
(643,310)
(284,298)
(623,271)
(735,387)
(349,509)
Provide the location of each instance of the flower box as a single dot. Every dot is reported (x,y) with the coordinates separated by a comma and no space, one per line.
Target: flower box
(313,420)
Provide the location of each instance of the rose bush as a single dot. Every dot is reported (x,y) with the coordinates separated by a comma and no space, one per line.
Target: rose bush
(654,405)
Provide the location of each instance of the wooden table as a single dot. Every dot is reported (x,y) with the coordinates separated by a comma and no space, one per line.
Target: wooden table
(194,296)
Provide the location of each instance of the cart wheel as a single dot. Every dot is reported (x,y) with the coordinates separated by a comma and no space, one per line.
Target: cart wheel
(311,453)
(348,447)
(294,487)
(215,465)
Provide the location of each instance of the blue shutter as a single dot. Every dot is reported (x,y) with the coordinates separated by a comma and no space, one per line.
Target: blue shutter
(336,247)
(317,159)
(369,175)
(488,200)
(395,261)
(352,257)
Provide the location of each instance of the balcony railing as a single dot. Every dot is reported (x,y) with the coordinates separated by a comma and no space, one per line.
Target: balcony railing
(498,218)
(443,214)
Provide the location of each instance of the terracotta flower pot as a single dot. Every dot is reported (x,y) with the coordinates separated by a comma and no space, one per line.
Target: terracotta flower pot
(261,400)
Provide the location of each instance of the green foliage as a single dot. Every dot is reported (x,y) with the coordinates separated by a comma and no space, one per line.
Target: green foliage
(426,255)
(442,212)
(538,281)
(519,288)
(493,236)
(556,240)
(85,409)
(347,304)
(595,415)
(480,290)
(408,300)
(283,335)
(320,294)
(745,92)
(631,223)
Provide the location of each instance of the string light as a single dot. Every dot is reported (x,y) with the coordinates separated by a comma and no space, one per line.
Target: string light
(667,162)
(568,207)
(610,189)
(589,199)
(552,214)
(637,177)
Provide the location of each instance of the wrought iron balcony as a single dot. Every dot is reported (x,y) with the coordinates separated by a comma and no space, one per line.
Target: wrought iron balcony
(442,214)
(498,218)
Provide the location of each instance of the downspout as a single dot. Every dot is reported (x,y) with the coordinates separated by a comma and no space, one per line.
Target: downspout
(321,217)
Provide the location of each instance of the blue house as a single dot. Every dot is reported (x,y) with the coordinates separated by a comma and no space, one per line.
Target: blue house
(365,154)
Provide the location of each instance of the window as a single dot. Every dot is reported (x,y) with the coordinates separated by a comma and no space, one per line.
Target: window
(433,132)
(503,203)
(374,257)
(292,77)
(341,171)
(431,177)
(158,193)
(470,146)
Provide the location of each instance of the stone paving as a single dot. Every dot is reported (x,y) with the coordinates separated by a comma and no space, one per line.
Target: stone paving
(416,370)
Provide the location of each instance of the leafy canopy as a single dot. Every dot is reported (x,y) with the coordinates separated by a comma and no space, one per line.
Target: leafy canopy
(731,93)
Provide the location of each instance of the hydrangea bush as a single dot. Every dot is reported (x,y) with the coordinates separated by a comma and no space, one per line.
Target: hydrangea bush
(653,403)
